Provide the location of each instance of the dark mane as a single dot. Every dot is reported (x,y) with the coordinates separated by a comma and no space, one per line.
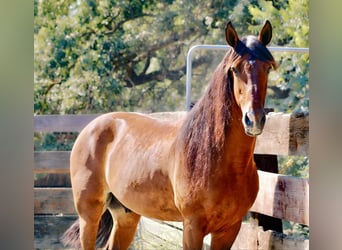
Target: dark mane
(203,132)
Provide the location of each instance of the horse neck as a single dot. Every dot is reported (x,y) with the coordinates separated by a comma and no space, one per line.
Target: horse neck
(238,145)
(212,135)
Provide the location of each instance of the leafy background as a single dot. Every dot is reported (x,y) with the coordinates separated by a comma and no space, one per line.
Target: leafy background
(101,56)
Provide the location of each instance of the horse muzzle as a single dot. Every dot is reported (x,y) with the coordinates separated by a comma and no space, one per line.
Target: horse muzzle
(254,122)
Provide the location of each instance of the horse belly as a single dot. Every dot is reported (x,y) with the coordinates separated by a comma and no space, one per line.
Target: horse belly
(149,197)
(142,186)
(154,204)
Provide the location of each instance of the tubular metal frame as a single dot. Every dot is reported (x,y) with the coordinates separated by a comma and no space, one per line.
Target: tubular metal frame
(222,47)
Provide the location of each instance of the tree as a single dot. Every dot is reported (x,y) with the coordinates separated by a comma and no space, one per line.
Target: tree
(99,56)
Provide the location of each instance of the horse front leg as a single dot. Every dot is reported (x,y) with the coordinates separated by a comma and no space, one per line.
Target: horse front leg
(224,239)
(192,234)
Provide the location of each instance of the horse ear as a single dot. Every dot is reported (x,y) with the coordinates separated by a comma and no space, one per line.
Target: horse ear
(265,35)
(231,35)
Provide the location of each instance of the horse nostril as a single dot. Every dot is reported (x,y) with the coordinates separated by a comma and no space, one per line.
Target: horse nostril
(248,122)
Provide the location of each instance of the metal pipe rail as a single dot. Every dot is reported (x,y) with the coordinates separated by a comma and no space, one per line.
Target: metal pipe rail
(222,47)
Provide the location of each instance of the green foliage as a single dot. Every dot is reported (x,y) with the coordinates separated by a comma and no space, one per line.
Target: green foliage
(54,141)
(94,57)
(288,88)
(294,166)
(296,230)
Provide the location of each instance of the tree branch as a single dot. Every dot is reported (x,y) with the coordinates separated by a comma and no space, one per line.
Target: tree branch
(157,46)
(50,86)
(132,79)
(147,64)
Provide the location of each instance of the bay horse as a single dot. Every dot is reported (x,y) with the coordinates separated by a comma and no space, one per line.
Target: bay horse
(198,169)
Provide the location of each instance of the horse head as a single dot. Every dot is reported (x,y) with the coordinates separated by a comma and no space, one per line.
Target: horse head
(248,74)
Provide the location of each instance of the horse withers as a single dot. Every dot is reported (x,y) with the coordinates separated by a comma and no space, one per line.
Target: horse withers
(198,169)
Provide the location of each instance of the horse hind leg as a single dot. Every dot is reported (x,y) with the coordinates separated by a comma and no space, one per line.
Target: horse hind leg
(90,212)
(110,225)
(90,199)
(87,172)
(90,203)
(124,226)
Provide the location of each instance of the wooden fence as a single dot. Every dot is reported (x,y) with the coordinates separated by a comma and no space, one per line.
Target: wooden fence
(280,196)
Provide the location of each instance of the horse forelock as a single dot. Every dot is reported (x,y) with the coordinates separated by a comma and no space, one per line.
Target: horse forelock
(256,50)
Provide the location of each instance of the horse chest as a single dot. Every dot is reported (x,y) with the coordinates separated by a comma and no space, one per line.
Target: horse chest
(228,206)
(234,190)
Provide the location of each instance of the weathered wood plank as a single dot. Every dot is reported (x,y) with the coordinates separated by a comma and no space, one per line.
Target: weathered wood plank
(268,163)
(51,161)
(299,134)
(49,229)
(275,140)
(75,123)
(153,234)
(284,134)
(62,123)
(52,180)
(53,201)
(279,196)
(283,197)
(275,137)
(169,115)
(252,236)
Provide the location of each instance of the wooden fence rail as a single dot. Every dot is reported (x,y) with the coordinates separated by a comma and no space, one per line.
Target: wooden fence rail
(284,134)
(280,196)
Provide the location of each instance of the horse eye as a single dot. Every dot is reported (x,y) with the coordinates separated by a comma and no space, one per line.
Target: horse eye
(235,70)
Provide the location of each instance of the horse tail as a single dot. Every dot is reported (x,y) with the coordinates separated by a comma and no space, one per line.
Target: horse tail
(105,228)
(71,237)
